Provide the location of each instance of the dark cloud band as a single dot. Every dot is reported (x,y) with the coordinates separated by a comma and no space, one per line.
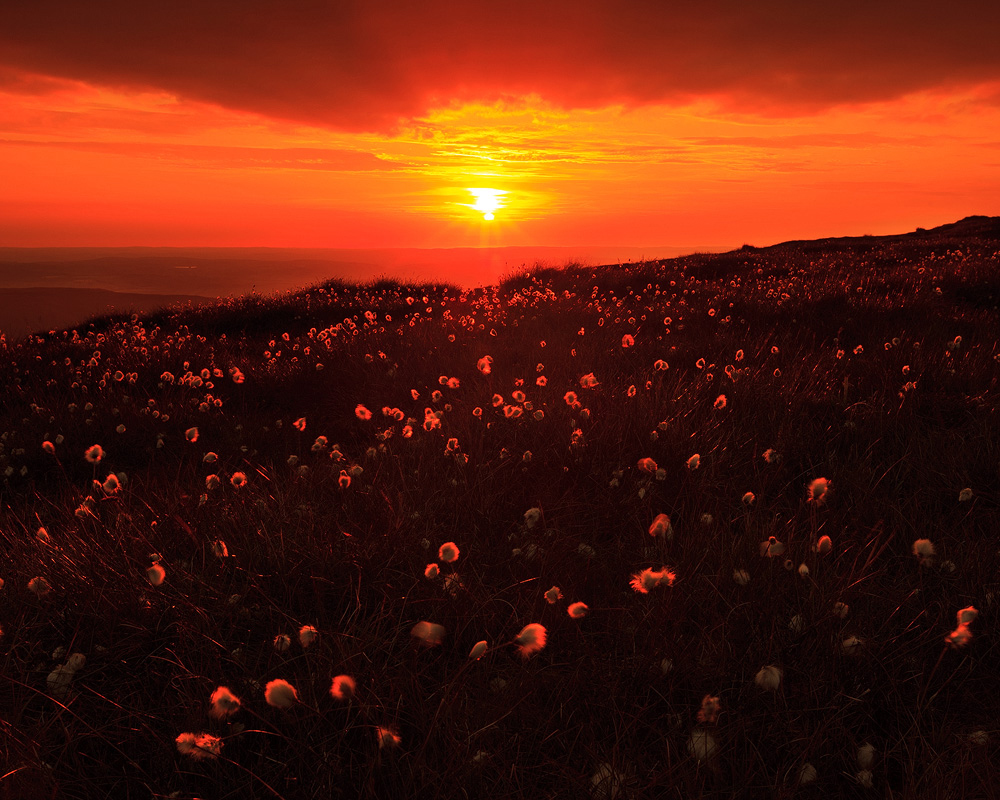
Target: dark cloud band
(362,65)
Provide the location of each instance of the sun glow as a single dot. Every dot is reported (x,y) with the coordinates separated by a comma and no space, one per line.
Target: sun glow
(487,201)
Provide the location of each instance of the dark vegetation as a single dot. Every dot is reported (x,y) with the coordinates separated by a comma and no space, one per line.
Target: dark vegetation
(870,362)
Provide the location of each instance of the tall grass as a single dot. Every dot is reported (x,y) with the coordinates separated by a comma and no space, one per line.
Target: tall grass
(845,362)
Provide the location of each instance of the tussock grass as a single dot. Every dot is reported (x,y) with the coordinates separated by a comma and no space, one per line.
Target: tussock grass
(844,360)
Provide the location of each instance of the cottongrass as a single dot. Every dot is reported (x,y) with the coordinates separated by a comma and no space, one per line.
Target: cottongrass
(156,575)
(710,709)
(924,550)
(199,746)
(661,527)
(428,633)
(772,547)
(224,703)
(448,552)
(387,738)
(852,645)
(769,678)
(648,579)
(818,491)
(343,687)
(702,744)
(59,680)
(578,610)
(606,783)
(478,650)
(807,774)
(866,756)
(280,693)
(531,639)
(307,635)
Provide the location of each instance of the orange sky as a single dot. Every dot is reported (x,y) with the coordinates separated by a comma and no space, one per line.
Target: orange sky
(598,127)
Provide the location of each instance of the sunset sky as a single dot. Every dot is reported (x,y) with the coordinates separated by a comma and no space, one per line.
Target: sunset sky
(366,124)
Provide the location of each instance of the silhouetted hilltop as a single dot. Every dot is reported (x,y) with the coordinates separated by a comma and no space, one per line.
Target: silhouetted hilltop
(980,227)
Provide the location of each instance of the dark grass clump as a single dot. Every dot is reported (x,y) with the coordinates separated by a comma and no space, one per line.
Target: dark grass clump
(298,460)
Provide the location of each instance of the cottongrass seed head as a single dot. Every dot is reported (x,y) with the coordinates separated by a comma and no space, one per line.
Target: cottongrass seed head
(661,527)
(280,694)
(710,709)
(224,703)
(343,687)
(807,774)
(387,738)
(702,744)
(924,550)
(428,633)
(199,746)
(156,574)
(531,639)
(851,646)
(448,552)
(818,491)
(307,635)
(606,783)
(648,579)
(578,610)
(477,651)
(769,678)
(59,680)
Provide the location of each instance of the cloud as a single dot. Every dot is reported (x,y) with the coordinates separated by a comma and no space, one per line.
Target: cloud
(360,65)
(209,156)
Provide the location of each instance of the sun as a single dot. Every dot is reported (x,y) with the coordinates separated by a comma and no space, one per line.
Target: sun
(487,201)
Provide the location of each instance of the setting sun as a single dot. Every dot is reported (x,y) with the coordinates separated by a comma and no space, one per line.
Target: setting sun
(487,201)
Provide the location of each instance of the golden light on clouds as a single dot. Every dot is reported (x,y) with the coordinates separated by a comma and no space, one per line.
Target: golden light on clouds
(91,166)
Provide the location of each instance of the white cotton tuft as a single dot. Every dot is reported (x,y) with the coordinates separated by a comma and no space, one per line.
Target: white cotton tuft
(702,744)
(280,694)
(769,678)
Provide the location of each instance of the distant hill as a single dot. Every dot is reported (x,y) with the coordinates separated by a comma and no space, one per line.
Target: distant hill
(978,227)
(24,311)
(46,288)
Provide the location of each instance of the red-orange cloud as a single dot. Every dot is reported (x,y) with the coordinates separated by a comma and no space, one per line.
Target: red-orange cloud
(359,65)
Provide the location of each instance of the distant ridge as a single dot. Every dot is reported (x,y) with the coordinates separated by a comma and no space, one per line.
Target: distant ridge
(24,310)
(974,227)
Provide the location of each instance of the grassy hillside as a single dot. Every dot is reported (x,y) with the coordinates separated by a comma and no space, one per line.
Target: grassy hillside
(241,493)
